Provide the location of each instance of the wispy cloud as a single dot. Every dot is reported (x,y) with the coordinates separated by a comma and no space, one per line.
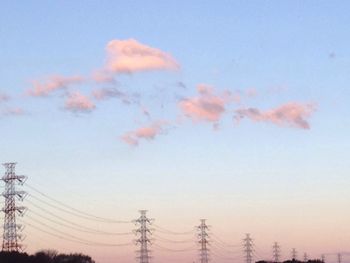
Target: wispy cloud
(128,56)
(106,93)
(207,105)
(4,97)
(77,102)
(291,114)
(144,133)
(53,83)
(13,112)
(103,76)
(112,92)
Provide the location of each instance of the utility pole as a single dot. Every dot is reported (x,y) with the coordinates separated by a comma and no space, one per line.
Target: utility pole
(248,248)
(294,254)
(203,241)
(11,233)
(276,252)
(339,258)
(143,233)
(305,257)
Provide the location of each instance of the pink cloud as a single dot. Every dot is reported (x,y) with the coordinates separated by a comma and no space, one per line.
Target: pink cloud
(144,133)
(4,97)
(207,106)
(106,93)
(292,114)
(77,102)
(102,76)
(52,84)
(13,112)
(128,56)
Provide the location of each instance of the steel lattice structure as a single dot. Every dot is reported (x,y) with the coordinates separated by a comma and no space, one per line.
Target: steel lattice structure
(11,234)
(276,252)
(143,240)
(203,242)
(248,248)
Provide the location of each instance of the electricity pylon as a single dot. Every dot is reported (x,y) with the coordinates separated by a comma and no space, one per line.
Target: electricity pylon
(305,257)
(143,239)
(294,254)
(11,234)
(203,241)
(248,248)
(276,252)
(339,258)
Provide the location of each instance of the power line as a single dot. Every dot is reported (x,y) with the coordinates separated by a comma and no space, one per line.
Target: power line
(175,250)
(214,245)
(76,238)
(166,231)
(61,218)
(86,215)
(80,228)
(172,241)
(76,241)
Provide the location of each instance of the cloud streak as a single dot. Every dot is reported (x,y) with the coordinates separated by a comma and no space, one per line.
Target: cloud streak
(144,133)
(292,114)
(79,103)
(129,56)
(4,97)
(13,112)
(207,106)
(53,83)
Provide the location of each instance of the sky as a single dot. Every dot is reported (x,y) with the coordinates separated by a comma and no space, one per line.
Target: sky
(233,111)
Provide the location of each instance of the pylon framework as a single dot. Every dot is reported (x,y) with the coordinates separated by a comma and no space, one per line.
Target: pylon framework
(248,248)
(203,240)
(12,231)
(294,254)
(306,258)
(339,257)
(276,253)
(323,258)
(144,241)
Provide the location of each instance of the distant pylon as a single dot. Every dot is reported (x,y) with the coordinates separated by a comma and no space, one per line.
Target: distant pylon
(305,257)
(143,239)
(203,241)
(294,254)
(11,234)
(248,248)
(276,252)
(323,258)
(339,258)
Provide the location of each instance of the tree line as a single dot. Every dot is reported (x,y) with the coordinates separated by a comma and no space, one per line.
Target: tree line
(44,256)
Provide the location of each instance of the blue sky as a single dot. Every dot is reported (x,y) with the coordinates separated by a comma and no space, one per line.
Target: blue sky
(284,51)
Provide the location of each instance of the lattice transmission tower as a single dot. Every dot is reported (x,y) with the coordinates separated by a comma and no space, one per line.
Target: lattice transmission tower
(276,252)
(144,241)
(203,240)
(339,258)
(306,258)
(294,254)
(248,248)
(12,231)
